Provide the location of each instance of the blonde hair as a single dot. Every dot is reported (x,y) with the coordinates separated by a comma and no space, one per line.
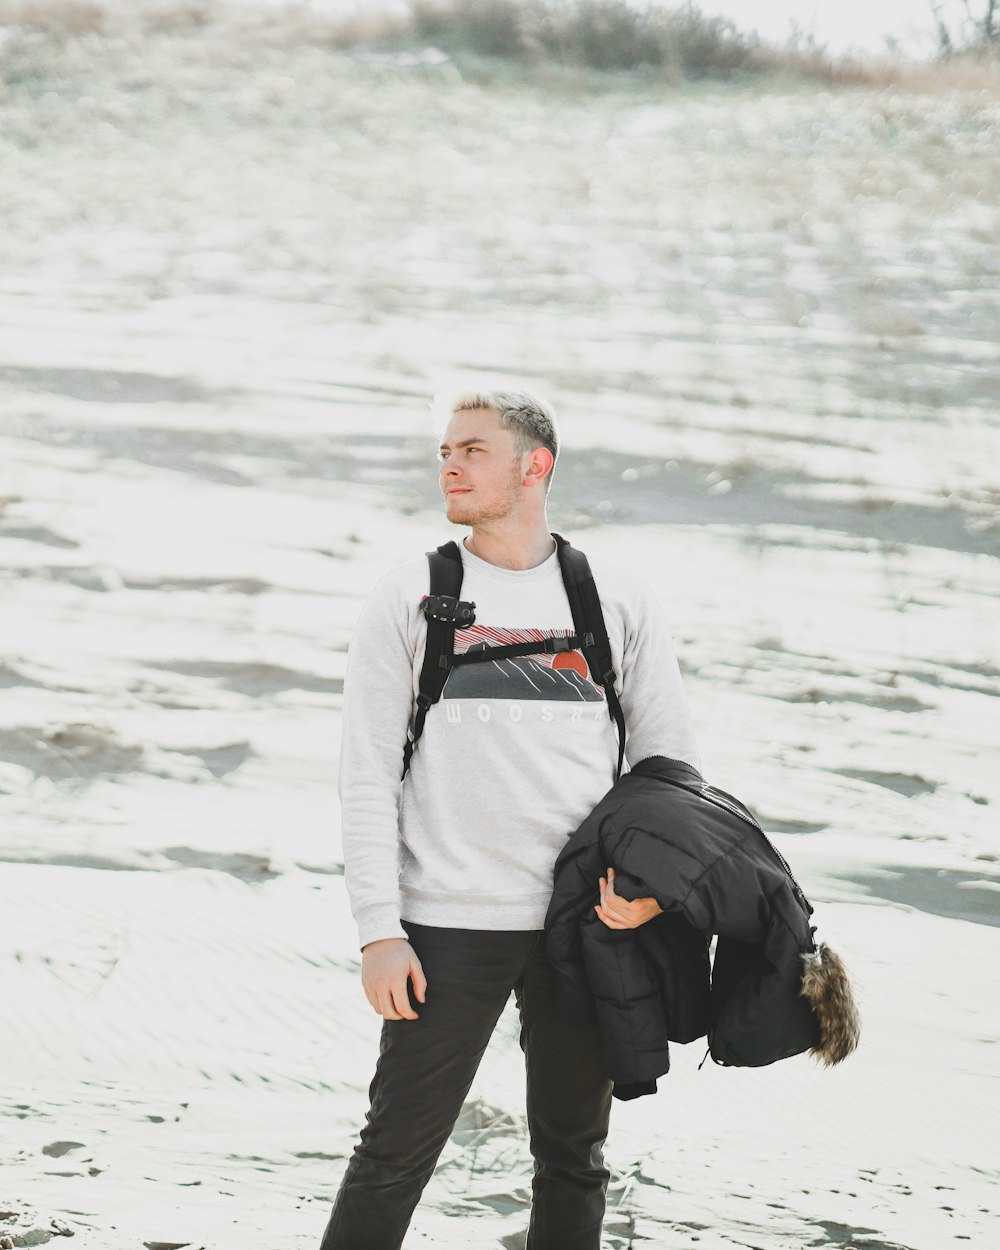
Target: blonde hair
(529,417)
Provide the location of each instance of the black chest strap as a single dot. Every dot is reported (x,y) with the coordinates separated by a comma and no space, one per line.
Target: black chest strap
(482,654)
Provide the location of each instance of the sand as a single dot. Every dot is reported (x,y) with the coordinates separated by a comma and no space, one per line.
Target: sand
(232,274)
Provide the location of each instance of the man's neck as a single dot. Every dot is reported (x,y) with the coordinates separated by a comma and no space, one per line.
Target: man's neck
(522,550)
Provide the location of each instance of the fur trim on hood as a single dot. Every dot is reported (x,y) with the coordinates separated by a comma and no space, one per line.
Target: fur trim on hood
(827,988)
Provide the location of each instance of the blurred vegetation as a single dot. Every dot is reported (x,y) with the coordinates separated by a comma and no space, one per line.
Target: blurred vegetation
(975,30)
(593,34)
(609,37)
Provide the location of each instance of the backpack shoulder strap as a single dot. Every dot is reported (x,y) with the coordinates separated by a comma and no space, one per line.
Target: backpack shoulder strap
(446,579)
(588,620)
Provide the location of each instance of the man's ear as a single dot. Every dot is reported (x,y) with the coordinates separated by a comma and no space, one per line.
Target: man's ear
(539,466)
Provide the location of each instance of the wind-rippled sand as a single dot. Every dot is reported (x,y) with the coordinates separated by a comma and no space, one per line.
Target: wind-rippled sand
(232,276)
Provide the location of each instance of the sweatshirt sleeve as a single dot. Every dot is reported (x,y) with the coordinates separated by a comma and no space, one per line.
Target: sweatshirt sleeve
(652,693)
(378,700)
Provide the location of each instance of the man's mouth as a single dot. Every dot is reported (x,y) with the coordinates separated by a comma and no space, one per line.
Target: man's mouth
(459,490)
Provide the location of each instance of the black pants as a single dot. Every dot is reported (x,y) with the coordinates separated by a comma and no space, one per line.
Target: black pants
(424,1071)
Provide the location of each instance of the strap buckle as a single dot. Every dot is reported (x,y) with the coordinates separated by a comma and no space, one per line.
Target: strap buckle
(449,610)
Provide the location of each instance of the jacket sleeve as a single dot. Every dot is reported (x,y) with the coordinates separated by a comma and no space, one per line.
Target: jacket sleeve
(652,694)
(378,700)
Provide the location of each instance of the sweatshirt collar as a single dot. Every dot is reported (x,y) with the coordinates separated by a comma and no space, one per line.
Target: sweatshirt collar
(548,567)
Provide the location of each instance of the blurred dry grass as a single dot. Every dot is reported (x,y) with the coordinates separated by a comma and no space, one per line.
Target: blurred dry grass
(57,17)
(75,18)
(607,36)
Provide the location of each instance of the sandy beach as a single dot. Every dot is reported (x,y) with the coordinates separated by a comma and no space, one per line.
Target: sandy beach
(233,271)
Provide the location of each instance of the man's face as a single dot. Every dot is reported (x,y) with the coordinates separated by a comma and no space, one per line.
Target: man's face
(481,477)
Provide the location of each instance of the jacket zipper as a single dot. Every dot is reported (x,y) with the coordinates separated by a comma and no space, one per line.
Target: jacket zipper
(712,796)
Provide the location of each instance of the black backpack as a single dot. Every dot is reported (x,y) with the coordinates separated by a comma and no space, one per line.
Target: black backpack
(445,612)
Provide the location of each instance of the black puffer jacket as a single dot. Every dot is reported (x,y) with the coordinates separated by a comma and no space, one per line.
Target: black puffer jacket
(699,852)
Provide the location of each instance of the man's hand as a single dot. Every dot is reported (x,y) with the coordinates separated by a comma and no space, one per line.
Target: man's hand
(385,965)
(619,913)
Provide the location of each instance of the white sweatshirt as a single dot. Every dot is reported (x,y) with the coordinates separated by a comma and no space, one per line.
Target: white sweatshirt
(513,757)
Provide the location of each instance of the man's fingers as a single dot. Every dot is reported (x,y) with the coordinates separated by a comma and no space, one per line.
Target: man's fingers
(386,970)
(616,905)
(385,1007)
(401,1001)
(622,908)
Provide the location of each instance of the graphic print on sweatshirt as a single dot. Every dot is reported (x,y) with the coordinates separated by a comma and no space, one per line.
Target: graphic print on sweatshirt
(563,676)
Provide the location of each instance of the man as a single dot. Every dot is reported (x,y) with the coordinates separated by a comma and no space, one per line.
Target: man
(450,874)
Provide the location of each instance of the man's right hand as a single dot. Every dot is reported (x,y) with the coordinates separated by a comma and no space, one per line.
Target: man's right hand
(385,966)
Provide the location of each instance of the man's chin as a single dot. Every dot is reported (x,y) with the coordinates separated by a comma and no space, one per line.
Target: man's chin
(457,514)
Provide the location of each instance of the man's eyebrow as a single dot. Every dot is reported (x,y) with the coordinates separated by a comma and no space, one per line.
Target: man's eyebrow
(466,442)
